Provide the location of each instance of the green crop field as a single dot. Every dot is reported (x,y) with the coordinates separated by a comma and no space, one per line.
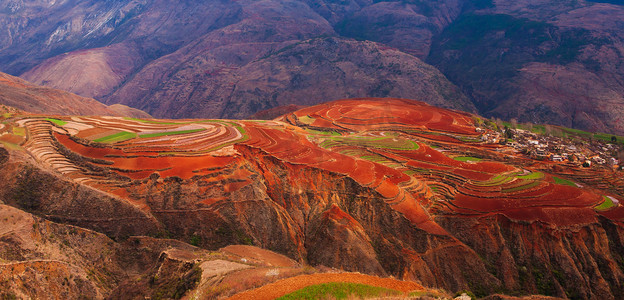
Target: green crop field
(117,137)
(56,121)
(608,203)
(11,145)
(155,122)
(497,180)
(394,143)
(467,158)
(19,131)
(306,120)
(525,186)
(534,175)
(339,290)
(164,133)
(563,181)
(312,131)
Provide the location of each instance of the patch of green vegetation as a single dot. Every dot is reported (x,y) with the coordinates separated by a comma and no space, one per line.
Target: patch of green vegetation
(306,120)
(238,127)
(195,240)
(607,204)
(376,158)
(117,137)
(497,180)
(563,181)
(10,146)
(312,131)
(467,139)
(565,132)
(6,115)
(467,158)
(339,290)
(425,294)
(383,142)
(165,133)
(532,176)
(56,121)
(544,285)
(525,186)
(19,131)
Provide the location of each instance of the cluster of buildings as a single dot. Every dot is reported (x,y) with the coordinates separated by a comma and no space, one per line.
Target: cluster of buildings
(547,147)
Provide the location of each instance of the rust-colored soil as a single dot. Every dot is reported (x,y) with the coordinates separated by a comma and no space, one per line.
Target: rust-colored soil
(289,285)
(253,254)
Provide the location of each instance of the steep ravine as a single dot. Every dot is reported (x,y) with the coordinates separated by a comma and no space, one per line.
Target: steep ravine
(579,262)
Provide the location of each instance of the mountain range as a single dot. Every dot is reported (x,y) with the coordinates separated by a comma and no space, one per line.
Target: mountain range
(557,62)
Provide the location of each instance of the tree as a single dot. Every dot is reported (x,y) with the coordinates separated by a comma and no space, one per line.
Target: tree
(548,130)
(509,133)
(514,123)
(614,139)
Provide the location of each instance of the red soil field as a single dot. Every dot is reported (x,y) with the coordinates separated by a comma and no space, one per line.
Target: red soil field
(467,188)
(289,285)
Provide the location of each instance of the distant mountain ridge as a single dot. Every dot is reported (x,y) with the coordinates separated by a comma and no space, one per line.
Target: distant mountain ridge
(538,61)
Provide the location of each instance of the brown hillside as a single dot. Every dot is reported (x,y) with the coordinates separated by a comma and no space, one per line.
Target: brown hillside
(23,95)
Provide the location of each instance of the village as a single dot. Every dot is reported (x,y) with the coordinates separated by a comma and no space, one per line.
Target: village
(551,147)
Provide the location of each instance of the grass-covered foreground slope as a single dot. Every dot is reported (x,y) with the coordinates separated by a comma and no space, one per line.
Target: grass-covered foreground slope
(380,186)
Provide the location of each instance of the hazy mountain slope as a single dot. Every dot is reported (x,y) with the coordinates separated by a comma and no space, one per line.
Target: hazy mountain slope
(541,61)
(200,78)
(40,29)
(310,72)
(563,69)
(406,25)
(26,96)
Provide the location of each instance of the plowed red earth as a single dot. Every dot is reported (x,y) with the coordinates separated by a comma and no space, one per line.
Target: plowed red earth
(468,186)
(289,285)
(360,115)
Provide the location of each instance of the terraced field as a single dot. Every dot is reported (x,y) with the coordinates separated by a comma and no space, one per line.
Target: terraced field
(342,162)
(390,146)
